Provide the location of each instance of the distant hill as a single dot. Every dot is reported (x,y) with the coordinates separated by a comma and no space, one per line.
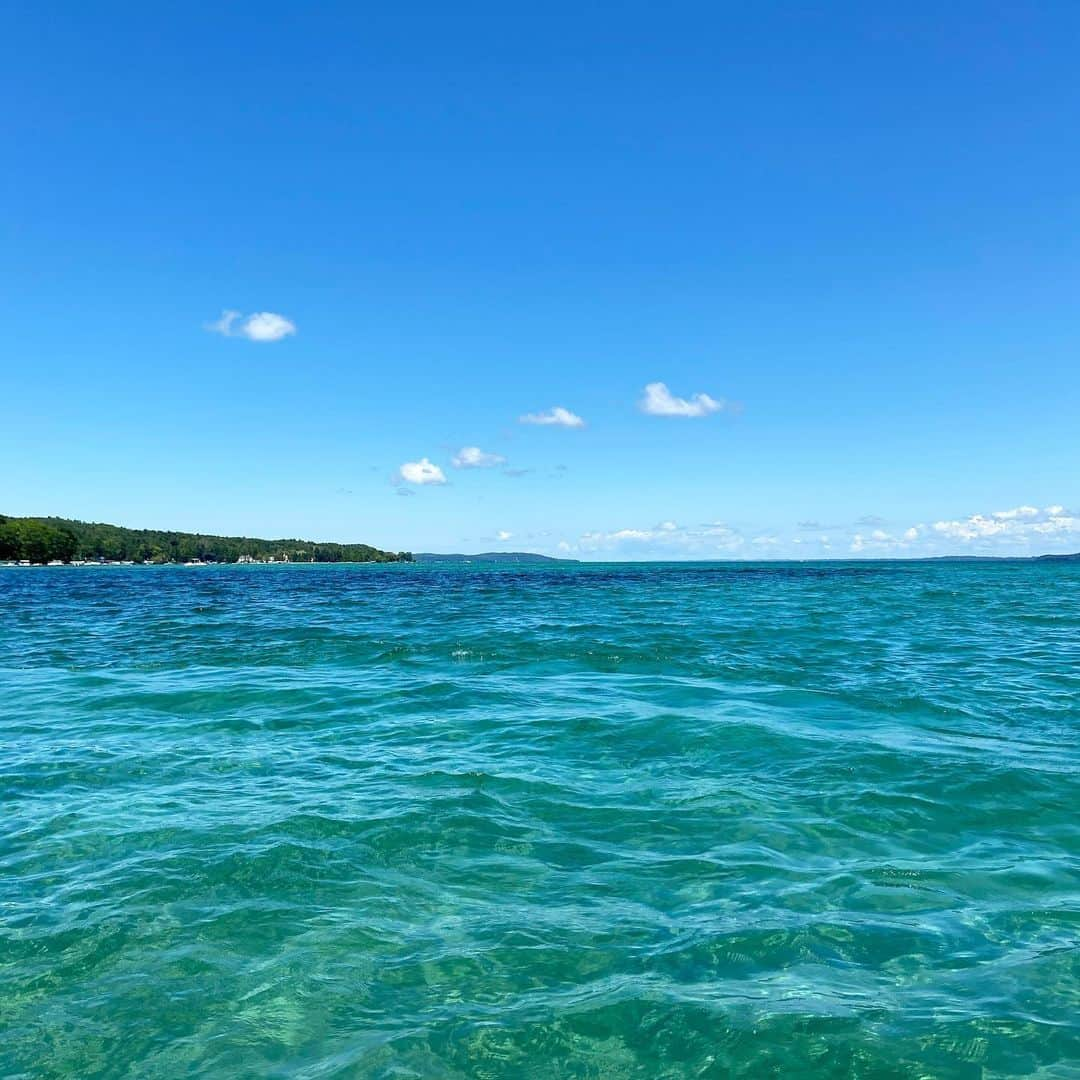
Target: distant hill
(50,539)
(1072,557)
(490,556)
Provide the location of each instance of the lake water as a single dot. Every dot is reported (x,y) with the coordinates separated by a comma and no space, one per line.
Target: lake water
(610,821)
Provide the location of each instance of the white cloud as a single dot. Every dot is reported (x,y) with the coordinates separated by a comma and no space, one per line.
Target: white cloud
(658,400)
(972,528)
(421,472)
(557,416)
(881,543)
(502,534)
(1058,523)
(1023,530)
(665,540)
(260,326)
(267,326)
(224,325)
(718,528)
(472,457)
(1019,524)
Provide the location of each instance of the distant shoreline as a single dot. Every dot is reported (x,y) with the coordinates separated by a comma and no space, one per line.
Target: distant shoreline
(502,559)
(59,541)
(79,564)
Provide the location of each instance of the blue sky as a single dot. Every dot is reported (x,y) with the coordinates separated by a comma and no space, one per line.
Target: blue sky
(855,230)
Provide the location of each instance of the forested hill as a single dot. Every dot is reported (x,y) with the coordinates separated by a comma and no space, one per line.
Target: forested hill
(48,539)
(489,556)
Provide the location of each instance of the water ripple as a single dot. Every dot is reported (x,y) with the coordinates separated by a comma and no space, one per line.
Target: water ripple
(596,821)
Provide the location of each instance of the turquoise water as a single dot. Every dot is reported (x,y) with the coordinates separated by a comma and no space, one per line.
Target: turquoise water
(597,821)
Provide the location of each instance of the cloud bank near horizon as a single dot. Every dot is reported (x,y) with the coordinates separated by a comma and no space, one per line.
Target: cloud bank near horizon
(1018,531)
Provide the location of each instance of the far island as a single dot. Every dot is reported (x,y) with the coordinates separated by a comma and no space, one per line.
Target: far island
(490,557)
(31,540)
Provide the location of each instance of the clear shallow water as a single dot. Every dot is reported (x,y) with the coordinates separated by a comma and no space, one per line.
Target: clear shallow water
(607,821)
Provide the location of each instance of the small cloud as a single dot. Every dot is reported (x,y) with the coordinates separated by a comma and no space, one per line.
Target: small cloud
(224,325)
(472,457)
(973,528)
(558,416)
(718,528)
(260,326)
(871,520)
(267,326)
(664,539)
(809,525)
(658,400)
(1021,512)
(502,534)
(421,472)
(880,543)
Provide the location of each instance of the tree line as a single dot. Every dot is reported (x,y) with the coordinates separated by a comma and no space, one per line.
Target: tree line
(42,540)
